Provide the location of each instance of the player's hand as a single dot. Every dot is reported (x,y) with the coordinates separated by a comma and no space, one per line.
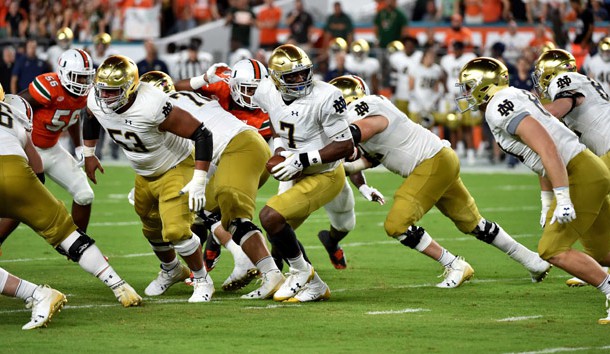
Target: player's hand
(371,194)
(217,72)
(79,156)
(546,198)
(92,164)
(131,197)
(564,211)
(289,168)
(196,190)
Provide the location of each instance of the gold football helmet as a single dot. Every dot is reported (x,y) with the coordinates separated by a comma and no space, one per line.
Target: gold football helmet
(116,81)
(64,37)
(291,71)
(548,45)
(102,38)
(603,47)
(550,64)
(395,46)
(360,48)
(160,80)
(479,80)
(338,45)
(352,87)
(1,93)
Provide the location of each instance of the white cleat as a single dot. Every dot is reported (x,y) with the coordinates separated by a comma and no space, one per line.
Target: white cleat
(271,282)
(606,320)
(456,273)
(294,283)
(539,270)
(315,290)
(203,289)
(45,303)
(167,278)
(242,275)
(126,295)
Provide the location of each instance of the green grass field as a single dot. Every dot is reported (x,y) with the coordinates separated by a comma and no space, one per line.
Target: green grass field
(384,302)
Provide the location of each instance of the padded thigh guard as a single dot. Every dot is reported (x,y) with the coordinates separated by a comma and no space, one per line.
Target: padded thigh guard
(416,238)
(77,248)
(242,229)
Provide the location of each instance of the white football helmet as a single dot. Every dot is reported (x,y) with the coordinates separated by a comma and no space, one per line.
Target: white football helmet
(76,71)
(23,110)
(244,80)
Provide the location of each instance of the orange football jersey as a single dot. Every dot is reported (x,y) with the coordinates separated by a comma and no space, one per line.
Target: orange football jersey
(60,109)
(258,119)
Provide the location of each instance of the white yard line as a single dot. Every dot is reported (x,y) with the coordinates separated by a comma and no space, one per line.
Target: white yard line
(518,318)
(396,312)
(562,349)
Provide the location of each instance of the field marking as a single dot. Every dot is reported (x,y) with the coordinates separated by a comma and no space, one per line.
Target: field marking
(396,312)
(269,307)
(518,318)
(562,349)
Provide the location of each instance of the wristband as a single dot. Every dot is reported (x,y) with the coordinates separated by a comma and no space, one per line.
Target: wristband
(562,194)
(278,143)
(546,198)
(88,151)
(353,167)
(310,158)
(197,82)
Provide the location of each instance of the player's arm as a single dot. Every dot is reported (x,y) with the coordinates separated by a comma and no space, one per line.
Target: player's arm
(369,193)
(215,73)
(564,103)
(364,129)
(91,134)
(28,97)
(34,159)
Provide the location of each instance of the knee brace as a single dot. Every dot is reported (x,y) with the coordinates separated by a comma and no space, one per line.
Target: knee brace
(160,246)
(416,238)
(84,197)
(486,231)
(77,247)
(242,229)
(187,247)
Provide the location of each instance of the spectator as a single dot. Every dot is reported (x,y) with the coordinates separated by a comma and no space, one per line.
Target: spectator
(27,68)
(599,11)
(241,18)
(205,11)
(496,10)
(583,28)
(390,24)
(458,33)
(185,19)
(473,11)
(339,69)
(268,22)
(445,9)
(514,43)
(151,62)
(535,11)
(6,65)
(338,25)
(15,20)
(541,39)
(300,23)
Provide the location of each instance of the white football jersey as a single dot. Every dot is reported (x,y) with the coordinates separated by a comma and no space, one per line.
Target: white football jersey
(427,89)
(150,151)
(366,67)
(452,67)
(223,125)
(508,108)
(403,64)
(403,145)
(589,120)
(599,70)
(307,123)
(13,134)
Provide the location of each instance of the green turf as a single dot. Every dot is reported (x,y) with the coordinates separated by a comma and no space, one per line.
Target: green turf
(384,302)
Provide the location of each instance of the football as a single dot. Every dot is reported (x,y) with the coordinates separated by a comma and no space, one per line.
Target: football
(274,161)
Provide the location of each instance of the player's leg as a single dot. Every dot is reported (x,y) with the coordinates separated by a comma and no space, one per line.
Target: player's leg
(342,218)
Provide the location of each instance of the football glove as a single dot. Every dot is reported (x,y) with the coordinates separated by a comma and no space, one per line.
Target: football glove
(371,194)
(546,198)
(196,190)
(564,211)
(218,72)
(286,170)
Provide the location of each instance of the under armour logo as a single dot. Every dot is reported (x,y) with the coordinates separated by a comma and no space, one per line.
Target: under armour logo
(564,81)
(339,105)
(506,107)
(295,113)
(128,121)
(362,108)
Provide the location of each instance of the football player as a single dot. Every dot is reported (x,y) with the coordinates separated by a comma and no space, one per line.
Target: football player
(25,199)
(156,138)
(239,157)
(579,180)
(307,117)
(63,41)
(402,62)
(580,102)
(360,63)
(57,100)
(597,66)
(431,172)
(426,86)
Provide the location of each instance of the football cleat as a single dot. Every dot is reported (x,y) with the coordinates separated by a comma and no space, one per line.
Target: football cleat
(294,283)
(335,252)
(577,282)
(203,289)
(315,290)
(271,282)
(456,273)
(45,302)
(167,278)
(211,253)
(539,270)
(243,273)
(126,295)
(606,320)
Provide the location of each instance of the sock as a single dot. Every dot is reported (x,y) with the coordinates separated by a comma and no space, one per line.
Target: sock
(604,287)
(446,258)
(337,235)
(298,263)
(200,274)
(266,265)
(25,289)
(93,262)
(171,265)
(504,242)
(233,247)
(109,277)
(286,242)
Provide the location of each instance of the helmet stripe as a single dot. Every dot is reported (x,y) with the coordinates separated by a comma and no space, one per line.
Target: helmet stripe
(257,69)
(85,58)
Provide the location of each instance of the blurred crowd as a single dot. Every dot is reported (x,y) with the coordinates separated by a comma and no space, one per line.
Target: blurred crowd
(417,72)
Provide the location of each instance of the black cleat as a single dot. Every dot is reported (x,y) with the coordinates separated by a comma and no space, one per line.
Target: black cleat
(335,252)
